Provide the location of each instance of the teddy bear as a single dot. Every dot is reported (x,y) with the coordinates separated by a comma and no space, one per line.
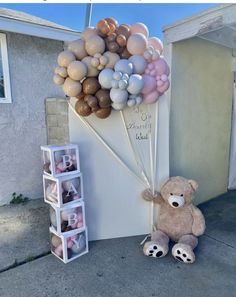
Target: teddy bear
(179,220)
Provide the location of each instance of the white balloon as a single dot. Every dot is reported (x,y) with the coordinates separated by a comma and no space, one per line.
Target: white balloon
(118,106)
(79,245)
(105,78)
(53,218)
(112,59)
(138,100)
(124,66)
(139,64)
(115,84)
(125,76)
(118,95)
(117,75)
(66,213)
(135,84)
(131,102)
(123,84)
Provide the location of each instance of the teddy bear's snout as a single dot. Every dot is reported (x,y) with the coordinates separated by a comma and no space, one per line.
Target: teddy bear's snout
(176,201)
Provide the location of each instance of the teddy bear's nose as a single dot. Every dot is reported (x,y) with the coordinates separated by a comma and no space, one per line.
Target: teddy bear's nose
(175,204)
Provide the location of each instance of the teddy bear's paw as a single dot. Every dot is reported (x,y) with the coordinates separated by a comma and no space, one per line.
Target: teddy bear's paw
(153,249)
(183,253)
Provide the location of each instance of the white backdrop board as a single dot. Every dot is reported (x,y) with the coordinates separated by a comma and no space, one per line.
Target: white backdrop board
(114,207)
(232,163)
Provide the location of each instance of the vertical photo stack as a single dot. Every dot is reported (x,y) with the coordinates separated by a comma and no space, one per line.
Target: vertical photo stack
(63,191)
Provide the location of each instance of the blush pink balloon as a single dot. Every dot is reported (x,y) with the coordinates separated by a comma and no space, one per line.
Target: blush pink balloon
(151,97)
(70,243)
(160,83)
(149,84)
(139,28)
(161,66)
(164,87)
(156,43)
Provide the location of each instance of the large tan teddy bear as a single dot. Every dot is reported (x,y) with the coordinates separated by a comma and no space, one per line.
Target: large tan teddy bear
(179,220)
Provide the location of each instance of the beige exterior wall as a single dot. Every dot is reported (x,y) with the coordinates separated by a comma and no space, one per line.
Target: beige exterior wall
(200,116)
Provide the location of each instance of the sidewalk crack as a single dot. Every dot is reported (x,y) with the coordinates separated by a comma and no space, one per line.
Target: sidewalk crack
(220,241)
(25,261)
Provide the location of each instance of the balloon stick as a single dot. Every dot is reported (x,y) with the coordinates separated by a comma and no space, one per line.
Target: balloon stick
(137,159)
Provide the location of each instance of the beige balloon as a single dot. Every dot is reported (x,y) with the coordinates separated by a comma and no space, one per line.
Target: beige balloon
(92,71)
(112,59)
(77,47)
(95,44)
(65,58)
(89,32)
(58,80)
(61,71)
(71,87)
(77,70)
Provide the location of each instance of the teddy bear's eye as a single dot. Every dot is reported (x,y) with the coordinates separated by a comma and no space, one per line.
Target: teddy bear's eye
(171,194)
(182,195)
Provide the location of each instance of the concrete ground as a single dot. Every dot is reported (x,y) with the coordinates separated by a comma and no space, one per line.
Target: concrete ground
(117,267)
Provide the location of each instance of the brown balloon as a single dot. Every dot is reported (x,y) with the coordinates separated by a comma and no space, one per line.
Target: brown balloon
(92,101)
(123,30)
(80,96)
(90,85)
(103,97)
(125,54)
(121,40)
(112,37)
(112,21)
(103,113)
(113,47)
(82,108)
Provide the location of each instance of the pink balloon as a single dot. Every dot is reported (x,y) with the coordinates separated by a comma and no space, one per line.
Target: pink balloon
(161,66)
(151,97)
(149,84)
(164,77)
(160,83)
(153,72)
(70,243)
(139,28)
(164,87)
(156,43)
(137,44)
(150,66)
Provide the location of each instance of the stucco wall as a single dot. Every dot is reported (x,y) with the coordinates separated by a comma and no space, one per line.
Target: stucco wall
(200,118)
(57,120)
(22,123)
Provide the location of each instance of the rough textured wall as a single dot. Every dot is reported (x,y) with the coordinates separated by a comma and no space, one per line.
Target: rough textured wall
(200,119)
(57,120)
(22,123)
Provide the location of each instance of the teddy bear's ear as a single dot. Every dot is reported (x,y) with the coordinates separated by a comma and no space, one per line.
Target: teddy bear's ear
(193,184)
(164,182)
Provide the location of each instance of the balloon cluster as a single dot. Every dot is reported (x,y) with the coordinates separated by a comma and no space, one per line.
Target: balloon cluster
(112,66)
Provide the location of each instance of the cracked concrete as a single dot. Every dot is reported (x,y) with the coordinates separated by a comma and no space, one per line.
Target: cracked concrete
(118,268)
